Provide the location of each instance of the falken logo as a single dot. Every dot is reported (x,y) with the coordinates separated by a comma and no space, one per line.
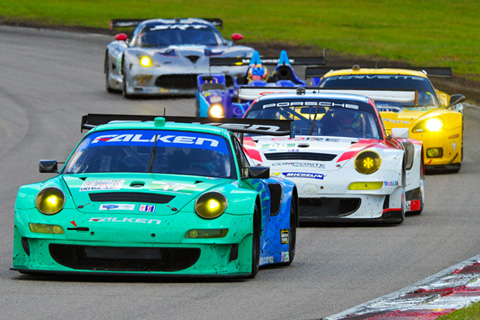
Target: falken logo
(319,176)
(164,139)
(125,220)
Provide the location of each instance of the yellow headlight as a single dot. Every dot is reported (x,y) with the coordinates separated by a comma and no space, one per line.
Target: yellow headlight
(50,201)
(210,205)
(45,228)
(375,185)
(434,124)
(145,61)
(368,162)
(216,111)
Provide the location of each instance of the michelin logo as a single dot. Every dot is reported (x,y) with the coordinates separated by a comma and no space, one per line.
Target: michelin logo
(319,176)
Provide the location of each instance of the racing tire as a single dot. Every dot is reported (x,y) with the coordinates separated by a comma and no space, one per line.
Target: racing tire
(124,82)
(107,75)
(255,244)
(292,237)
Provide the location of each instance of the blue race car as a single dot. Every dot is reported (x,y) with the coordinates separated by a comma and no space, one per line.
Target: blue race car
(217,98)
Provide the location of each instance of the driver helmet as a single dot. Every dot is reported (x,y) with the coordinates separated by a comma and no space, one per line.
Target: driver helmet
(347,119)
(257,72)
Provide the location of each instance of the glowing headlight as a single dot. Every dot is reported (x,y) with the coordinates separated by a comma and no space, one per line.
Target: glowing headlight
(432,125)
(50,201)
(145,61)
(216,111)
(210,205)
(368,162)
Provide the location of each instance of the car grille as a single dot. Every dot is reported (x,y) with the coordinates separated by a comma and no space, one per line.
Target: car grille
(177,81)
(193,59)
(300,156)
(312,208)
(124,258)
(130,197)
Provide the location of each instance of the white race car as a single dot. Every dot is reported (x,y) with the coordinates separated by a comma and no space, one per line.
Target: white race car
(345,166)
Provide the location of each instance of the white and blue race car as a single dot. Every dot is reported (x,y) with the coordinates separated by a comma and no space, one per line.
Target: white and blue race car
(344,165)
(164,56)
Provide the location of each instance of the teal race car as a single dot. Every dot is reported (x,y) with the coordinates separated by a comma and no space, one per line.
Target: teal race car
(156,196)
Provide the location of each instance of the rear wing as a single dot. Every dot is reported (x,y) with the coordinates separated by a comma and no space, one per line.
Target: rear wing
(268,61)
(442,72)
(388,95)
(125,23)
(251,126)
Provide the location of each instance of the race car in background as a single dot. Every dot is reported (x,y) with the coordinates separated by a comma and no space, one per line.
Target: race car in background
(164,56)
(435,117)
(216,98)
(344,165)
(145,196)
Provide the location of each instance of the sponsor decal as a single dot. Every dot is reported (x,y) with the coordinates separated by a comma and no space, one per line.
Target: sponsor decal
(125,220)
(284,235)
(390,183)
(173,186)
(273,146)
(319,176)
(96,185)
(310,103)
(285,256)
(396,121)
(298,164)
(177,26)
(121,206)
(146,208)
(265,260)
(164,139)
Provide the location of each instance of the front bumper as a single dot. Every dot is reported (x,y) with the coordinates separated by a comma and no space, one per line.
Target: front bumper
(143,249)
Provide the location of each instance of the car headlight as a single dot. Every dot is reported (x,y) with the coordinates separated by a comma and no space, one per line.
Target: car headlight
(211,205)
(216,111)
(367,162)
(50,201)
(431,125)
(145,61)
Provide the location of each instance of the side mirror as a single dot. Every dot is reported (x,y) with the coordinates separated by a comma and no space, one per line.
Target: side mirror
(121,37)
(455,98)
(48,166)
(237,37)
(401,133)
(258,172)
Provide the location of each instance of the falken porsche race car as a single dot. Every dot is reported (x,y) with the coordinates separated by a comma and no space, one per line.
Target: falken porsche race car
(344,165)
(153,197)
(217,98)
(434,117)
(164,56)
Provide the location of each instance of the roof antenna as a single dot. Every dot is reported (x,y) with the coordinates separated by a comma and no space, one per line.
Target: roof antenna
(164,111)
(375,63)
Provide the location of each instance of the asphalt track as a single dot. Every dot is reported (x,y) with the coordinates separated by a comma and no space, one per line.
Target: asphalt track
(49,79)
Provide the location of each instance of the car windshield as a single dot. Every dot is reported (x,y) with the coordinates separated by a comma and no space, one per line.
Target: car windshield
(321,117)
(170,152)
(423,86)
(178,34)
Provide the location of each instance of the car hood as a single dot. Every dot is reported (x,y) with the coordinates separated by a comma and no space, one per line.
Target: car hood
(329,150)
(162,194)
(406,117)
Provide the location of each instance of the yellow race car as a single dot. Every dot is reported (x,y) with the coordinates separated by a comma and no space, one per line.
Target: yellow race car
(433,117)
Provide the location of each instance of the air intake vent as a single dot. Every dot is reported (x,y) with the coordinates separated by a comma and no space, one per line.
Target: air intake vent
(300,156)
(193,58)
(130,197)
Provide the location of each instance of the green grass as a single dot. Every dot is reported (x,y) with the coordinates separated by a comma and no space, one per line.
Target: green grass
(470,313)
(430,33)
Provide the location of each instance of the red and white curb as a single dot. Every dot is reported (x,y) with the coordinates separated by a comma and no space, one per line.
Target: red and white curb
(453,288)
